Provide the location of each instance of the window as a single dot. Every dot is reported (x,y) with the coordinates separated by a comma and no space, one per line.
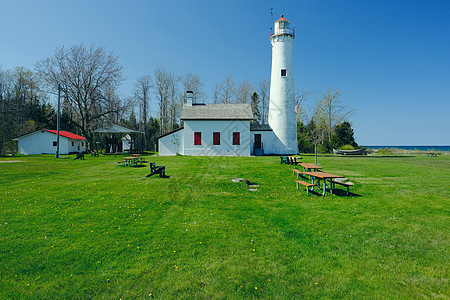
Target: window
(236,138)
(197,138)
(55,144)
(283,72)
(72,144)
(216,138)
(82,144)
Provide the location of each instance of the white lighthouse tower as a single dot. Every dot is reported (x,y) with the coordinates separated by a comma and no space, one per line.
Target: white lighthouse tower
(282,117)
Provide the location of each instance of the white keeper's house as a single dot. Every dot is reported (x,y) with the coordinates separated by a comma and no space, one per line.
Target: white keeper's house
(215,129)
(44,142)
(225,129)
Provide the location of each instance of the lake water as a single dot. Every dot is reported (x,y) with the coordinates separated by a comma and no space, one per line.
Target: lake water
(422,148)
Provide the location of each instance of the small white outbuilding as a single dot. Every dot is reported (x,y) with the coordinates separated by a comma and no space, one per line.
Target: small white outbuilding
(44,142)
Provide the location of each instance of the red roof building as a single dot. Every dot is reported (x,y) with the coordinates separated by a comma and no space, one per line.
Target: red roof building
(44,141)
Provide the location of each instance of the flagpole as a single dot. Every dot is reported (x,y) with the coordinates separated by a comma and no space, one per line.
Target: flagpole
(57,122)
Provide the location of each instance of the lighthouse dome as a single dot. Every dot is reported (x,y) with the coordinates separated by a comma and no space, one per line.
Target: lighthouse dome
(282,27)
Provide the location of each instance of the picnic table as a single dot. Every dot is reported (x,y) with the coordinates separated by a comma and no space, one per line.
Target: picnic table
(129,160)
(323,176)
(308,167)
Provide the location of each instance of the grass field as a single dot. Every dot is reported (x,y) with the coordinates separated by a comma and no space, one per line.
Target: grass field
(91,229)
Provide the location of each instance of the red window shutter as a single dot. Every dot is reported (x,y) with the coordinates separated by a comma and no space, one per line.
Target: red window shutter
(236,138)
(197,138)
(216,138)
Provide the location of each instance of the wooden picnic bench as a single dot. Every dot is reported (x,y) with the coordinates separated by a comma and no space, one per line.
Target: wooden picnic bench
(347,184)
(121,162)
(308,185)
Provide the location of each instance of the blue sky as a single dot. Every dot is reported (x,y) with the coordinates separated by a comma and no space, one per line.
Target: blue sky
(391,59)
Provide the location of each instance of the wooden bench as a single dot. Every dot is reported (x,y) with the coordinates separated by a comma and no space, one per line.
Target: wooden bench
(297,171)
(347,184)
(284,159)
(80,156)
(120,162)
(161,170)
(308,185)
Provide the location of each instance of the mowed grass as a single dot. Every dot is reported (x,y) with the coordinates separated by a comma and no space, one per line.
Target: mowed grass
(91,229)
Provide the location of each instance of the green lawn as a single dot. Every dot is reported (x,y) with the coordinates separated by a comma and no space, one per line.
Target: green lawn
(91,229)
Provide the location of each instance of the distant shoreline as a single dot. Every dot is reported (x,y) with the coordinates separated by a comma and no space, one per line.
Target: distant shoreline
(413,148)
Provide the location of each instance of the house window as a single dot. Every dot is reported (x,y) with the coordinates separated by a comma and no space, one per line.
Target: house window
(283,72)
(236,138)
(197,138)
(82,144)
(216,138)
(55,144)
(72,144)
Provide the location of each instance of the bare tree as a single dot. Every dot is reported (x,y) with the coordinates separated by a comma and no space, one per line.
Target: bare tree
(244,92)
(86,77)
(165,83)
(264,99)
(142,94)
(227,90)
(300,98)
(331,111)
(216,93)
(192,82)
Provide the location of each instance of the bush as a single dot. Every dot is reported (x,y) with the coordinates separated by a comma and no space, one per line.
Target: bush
(385,151)
(347,147)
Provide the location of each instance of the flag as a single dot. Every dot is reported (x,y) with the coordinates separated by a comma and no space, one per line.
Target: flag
(296,108)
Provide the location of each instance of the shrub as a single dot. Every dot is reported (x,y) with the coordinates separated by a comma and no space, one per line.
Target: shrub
(347,147)
(385,151)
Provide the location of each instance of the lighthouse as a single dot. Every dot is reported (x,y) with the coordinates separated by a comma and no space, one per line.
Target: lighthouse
(282,118)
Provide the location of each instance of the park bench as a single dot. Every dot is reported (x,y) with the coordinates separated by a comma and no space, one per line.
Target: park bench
(284,159)
(121,162)
(308,185)
(161,170)
(80,156)
(294,161)
(347,184)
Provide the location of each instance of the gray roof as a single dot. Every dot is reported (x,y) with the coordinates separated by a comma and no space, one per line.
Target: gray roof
(217,112)
(260,127)
(115,128)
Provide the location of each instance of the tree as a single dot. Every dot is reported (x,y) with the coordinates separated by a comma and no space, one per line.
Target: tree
(255,108)
(343,135)
(264,98)
(227,90)
(331,111)
(244,92)
(166,83)
(216,93)
(88,77)
(142,94)
(300,98)
(22,106)
(192,82)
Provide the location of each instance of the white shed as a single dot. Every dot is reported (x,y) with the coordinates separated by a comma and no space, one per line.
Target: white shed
(44,141)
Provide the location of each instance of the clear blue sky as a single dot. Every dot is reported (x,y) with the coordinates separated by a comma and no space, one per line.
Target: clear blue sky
(391,58)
